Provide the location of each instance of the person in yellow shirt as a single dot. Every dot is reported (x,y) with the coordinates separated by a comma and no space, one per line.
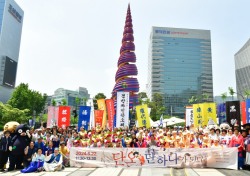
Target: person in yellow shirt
(63,149)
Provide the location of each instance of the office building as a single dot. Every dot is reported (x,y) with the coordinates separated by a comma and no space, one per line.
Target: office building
(242,69)
(11,21)
(180,66)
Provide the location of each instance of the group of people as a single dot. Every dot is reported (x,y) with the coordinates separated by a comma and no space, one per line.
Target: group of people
(49,148)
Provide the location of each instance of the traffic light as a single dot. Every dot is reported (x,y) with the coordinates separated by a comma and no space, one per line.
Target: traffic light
(75,113)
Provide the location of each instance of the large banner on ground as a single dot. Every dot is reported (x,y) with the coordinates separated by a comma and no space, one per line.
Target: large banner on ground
(154,157)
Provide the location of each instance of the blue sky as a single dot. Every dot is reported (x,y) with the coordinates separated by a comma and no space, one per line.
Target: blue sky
(67,44)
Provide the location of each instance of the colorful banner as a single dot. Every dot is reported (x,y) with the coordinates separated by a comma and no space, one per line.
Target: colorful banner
(102,106)
(64,116)
(98,117)
(210,112)
(142,116)
(90,103)
(221,113)
(243,112)
(248,110)
(84,117)
(154,157)
(111,112)
(189,116)
(52,119)
(122,109)
(199,115)
(233,113)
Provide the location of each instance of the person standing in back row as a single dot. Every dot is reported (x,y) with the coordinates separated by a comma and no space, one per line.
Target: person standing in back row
(4,149)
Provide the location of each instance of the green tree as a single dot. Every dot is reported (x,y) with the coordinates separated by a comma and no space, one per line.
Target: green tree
(231,92)
(224,96)
(192,100)
(143,98)
(64,102)
(157,106)
(247,93)
(205,96)
(77,101)
(25,98)
(97,97)
(53,102)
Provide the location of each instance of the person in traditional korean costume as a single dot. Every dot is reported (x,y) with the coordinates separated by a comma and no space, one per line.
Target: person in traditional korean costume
(54,161)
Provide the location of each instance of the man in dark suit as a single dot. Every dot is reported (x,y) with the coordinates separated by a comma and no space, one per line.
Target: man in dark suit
(4,149)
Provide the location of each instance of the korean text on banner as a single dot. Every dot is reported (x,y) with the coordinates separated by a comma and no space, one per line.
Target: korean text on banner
(210,112)
(199,115)
(90,103)
(154,157)
(111,112)
(84,117)
(142,115)
(189,116)
(122,109)
(102,106)
(233,113)
(221,113)
(64,116)
(243,112)
(248,110)
(52,116)
(98,117)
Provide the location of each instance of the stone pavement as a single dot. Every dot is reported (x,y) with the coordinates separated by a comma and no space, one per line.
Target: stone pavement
(134,172)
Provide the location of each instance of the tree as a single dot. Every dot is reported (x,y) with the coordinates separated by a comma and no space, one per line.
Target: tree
(64,102)
(247,93)
(97,97)
(25,98)
(143,98)
(192,100)
(8,113)
(53,102)
(231,92)
(157,106)
(205,96)
(224,96)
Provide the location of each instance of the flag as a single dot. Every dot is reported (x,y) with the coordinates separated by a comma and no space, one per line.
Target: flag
(221,113)
(102,106)
(84,117)
(122,109)
(189,116)
(209,112)
(142,116)
(233,113)
(52,119)
(111,112)
(199,116)
(92,114)
(98,117)
(248,110)
(64,116)
(243,112)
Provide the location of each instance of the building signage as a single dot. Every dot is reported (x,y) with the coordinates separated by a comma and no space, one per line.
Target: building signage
(157,31)
(15,13)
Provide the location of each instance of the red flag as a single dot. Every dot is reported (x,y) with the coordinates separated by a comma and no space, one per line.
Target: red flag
(64,116)
(98,117)
(111,112)
(243,112)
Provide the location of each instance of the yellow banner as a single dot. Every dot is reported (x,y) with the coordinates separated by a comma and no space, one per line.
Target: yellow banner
(199,116)
(102,106)
(210,112)
(142,116)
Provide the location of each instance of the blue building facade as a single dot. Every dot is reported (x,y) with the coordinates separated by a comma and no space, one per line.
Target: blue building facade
(180,66)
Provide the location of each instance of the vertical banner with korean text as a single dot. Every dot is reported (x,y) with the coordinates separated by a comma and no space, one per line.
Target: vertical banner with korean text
(64,116)
(142,116)
(90,103)
(199,117)
(111,112)
(221,113)
(122,109)
(210,112)
(248,110)
(84,117)
(243,112)
(233,113)
(102,106)
(189,116)
(52,116)
(98,117)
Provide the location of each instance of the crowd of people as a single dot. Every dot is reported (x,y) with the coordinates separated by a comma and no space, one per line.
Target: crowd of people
(49,148)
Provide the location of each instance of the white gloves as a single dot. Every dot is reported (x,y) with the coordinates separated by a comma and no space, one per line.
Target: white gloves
(10,148)
(28,133)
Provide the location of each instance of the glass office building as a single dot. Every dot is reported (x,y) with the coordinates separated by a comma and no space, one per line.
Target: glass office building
(11,20)
(180,66)
(242,69)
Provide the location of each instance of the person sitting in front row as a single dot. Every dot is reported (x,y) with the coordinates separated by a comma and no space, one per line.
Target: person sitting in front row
(54,161)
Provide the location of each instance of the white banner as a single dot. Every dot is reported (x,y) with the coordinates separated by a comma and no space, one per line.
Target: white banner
(122,109)
(154,157)
(52,119)
(189,116)
(91,121)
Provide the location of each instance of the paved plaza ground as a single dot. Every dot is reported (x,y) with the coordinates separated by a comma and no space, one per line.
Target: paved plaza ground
(135,172)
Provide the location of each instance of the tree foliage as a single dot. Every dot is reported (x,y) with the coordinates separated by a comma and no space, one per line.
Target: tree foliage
(25,98)
(97,97)
(157,106)
(143,98)
(224,96)
(231,92)
(247,93)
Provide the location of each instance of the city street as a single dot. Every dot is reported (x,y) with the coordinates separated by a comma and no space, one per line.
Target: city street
(136,172)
